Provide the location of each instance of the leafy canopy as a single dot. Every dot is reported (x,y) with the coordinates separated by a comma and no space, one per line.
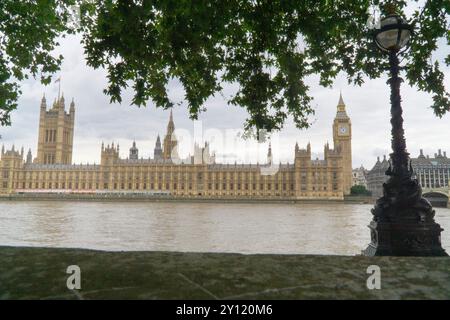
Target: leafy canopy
(266,47)
(28,33)
(360,190)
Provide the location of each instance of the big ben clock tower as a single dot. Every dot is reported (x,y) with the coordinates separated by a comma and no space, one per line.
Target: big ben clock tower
(342,137)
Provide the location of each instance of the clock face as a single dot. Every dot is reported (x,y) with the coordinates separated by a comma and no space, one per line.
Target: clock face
(342,129)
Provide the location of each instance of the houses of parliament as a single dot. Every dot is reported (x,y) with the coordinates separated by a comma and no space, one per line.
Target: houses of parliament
(199,176)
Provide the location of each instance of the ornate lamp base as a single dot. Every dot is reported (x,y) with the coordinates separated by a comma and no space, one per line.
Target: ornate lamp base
(405,239)
(403,221)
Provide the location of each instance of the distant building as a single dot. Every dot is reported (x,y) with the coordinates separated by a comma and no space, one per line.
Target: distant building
(377,176)
(432,173)
(359,177)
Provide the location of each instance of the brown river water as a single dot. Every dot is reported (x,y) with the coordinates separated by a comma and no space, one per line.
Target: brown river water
(313,228)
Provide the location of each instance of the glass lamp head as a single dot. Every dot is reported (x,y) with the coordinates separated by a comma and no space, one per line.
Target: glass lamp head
(394,33)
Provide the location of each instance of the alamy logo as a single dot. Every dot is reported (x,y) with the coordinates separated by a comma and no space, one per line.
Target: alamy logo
(74,280)
(374,280)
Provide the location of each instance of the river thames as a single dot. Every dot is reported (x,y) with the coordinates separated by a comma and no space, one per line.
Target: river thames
(325,228)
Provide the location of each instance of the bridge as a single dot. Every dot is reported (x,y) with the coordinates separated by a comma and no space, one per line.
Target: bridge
(439,197)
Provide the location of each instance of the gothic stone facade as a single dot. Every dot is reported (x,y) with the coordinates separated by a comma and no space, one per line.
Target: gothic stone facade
(200,176)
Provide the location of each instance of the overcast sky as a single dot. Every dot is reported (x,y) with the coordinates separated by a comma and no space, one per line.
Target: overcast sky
(97,120)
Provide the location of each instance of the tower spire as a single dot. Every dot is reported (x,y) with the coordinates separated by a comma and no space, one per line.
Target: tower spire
(170,140)
(269,154)
(170,125)
(341,112)
(43,102)
(341,101)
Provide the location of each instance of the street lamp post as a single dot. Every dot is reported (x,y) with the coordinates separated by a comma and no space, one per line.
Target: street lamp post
(403,221)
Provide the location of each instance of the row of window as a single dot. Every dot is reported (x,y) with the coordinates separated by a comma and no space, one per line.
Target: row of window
(190,175)
(50,135)
(66,137)
(50,158)
(166,186)
(434,173)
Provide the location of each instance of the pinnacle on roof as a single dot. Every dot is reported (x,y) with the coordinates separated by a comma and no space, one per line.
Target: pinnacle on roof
(341,101)
(341,113)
